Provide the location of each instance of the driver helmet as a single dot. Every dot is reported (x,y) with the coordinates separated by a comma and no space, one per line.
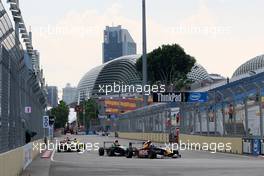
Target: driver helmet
(148,142)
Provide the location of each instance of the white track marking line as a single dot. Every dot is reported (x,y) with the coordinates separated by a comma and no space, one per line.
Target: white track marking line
(52,155)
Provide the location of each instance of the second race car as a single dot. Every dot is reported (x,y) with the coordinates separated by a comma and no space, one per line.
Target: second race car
(68,145)
(114,150)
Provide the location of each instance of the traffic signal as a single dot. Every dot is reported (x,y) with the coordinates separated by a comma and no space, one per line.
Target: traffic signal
(51,120)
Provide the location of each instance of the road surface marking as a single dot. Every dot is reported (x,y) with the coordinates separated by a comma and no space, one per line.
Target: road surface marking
(52,155)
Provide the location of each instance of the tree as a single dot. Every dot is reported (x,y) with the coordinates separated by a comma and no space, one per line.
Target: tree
(91,111)
(169,65)
(61,114)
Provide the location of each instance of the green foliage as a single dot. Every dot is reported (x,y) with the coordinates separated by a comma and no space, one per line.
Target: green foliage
(168,64)
(61,114)
(91,111)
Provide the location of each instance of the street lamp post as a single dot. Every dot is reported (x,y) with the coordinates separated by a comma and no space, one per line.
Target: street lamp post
(144,47)
(86,97)
(84,115)
(79,96)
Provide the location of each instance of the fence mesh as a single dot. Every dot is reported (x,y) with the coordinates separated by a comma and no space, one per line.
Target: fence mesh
(19,88)
(234,109)
(149,119)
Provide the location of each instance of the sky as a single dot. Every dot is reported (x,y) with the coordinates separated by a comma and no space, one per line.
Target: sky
(220,34)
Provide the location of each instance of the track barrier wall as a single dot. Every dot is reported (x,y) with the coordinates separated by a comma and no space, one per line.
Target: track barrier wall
(13,162)
(236,142)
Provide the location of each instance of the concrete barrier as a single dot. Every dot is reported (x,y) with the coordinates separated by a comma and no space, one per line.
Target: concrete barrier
(235,142)
(1,165)
(12,162)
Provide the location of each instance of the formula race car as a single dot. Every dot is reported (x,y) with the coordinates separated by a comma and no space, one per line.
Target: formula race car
(68,145)
(114,150)
(149,150)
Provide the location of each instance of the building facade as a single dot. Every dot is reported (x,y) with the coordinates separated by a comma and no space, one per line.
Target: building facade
(69,94)
(52,96)
(117,42)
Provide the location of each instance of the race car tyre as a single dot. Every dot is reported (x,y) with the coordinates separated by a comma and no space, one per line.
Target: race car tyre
(101,151)
(152,154)
(129,153)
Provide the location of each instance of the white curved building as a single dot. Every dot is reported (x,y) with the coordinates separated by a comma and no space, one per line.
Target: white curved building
(253,66)
(198,73)
(121,70)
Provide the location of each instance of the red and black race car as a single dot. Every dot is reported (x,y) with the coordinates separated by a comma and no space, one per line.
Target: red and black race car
(149,150)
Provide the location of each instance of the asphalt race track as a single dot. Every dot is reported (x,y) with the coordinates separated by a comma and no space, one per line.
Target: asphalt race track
(196,163)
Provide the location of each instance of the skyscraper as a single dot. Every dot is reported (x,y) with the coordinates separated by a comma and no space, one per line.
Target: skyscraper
(69,94)
(52,96)
(117,42)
